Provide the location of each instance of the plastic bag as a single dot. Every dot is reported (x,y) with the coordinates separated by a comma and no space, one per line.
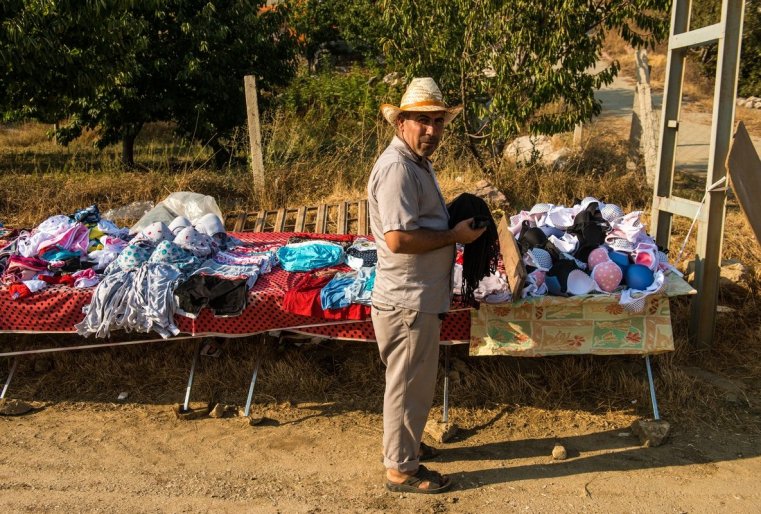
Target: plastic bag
(182,203)
(128,212)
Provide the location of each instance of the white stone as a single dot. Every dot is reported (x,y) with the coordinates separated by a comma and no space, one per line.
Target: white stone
(522,149)
(559,452)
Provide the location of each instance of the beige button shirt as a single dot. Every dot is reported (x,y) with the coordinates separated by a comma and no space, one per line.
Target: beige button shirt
(403,194)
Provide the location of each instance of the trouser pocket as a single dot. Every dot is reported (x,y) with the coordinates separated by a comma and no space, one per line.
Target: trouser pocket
(382,307)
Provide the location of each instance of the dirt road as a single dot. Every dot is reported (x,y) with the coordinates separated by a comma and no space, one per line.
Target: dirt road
(76,457)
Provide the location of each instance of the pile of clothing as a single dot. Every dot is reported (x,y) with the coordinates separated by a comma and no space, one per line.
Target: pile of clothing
(179,268)
(63,249)
(591,247)
(325,288)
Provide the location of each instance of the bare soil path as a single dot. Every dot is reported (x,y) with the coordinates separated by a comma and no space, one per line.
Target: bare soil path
(90,457)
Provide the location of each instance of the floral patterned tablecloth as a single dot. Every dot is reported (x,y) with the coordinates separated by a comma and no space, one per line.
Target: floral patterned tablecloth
(589,324)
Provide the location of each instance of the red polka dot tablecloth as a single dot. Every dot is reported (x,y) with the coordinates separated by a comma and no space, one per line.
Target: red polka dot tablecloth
(59,308)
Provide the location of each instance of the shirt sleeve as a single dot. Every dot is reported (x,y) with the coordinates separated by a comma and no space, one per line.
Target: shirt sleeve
(398,194)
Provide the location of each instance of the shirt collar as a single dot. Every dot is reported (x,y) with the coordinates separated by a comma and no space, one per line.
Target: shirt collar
(405,150)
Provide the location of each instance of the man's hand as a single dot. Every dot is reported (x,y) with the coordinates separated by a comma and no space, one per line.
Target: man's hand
(424,240)
(465,233)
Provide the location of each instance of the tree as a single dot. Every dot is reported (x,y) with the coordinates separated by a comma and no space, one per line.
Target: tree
(183,60)
(516,65)
(356,23)
(53,53)
(190,67)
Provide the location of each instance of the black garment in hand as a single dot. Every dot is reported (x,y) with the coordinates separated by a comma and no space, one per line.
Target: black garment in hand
(481,256)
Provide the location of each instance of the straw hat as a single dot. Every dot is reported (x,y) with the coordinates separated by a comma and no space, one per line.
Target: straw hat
(422,95)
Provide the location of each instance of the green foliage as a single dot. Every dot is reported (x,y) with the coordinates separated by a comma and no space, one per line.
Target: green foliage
(516,65)
(355,22)
(52,53)
(334,95)
(329,116)
(127,63)
(750,62)
(749,80)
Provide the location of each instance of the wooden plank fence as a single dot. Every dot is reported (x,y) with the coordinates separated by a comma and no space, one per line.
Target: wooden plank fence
(350,217)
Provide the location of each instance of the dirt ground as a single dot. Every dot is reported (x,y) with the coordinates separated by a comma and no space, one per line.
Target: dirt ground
(106,457)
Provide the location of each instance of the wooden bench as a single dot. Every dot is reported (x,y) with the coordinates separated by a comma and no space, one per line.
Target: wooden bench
(349,217)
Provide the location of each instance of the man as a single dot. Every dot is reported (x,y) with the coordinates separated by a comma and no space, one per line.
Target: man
(416,250)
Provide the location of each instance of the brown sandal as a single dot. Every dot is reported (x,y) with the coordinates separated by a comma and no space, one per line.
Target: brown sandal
(437,483)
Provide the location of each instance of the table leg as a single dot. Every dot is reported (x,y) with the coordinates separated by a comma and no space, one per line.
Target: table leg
(186,405)
(259,353)
(656,414)
(445,414)
(10,377)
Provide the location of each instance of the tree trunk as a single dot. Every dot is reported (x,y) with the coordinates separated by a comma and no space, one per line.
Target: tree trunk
(128,144)
(466,126)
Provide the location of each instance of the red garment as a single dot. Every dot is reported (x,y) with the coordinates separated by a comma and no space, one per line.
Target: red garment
(18,290)
(66,280)
(304,299)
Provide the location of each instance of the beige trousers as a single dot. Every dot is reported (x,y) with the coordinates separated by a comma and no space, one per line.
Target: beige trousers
(408,341)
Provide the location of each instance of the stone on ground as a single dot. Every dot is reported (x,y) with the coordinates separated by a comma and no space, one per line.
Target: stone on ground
(559,452)
(439,431)
(651,432)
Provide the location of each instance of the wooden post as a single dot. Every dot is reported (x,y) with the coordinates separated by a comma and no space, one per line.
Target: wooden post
(343,222)
(363,225)
(643,137)
(254,131)
(321,221)
(578,133)
(649,143)
(710,234)
(301,215)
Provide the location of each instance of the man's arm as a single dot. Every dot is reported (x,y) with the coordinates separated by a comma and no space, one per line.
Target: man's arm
(424,240)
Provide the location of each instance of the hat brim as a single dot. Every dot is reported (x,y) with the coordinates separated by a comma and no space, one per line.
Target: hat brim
(391,112)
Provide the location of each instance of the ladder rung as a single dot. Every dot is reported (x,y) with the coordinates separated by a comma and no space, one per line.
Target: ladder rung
(676,205)
(697,37)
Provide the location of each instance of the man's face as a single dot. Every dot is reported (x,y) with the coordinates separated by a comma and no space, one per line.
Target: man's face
(422,130)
